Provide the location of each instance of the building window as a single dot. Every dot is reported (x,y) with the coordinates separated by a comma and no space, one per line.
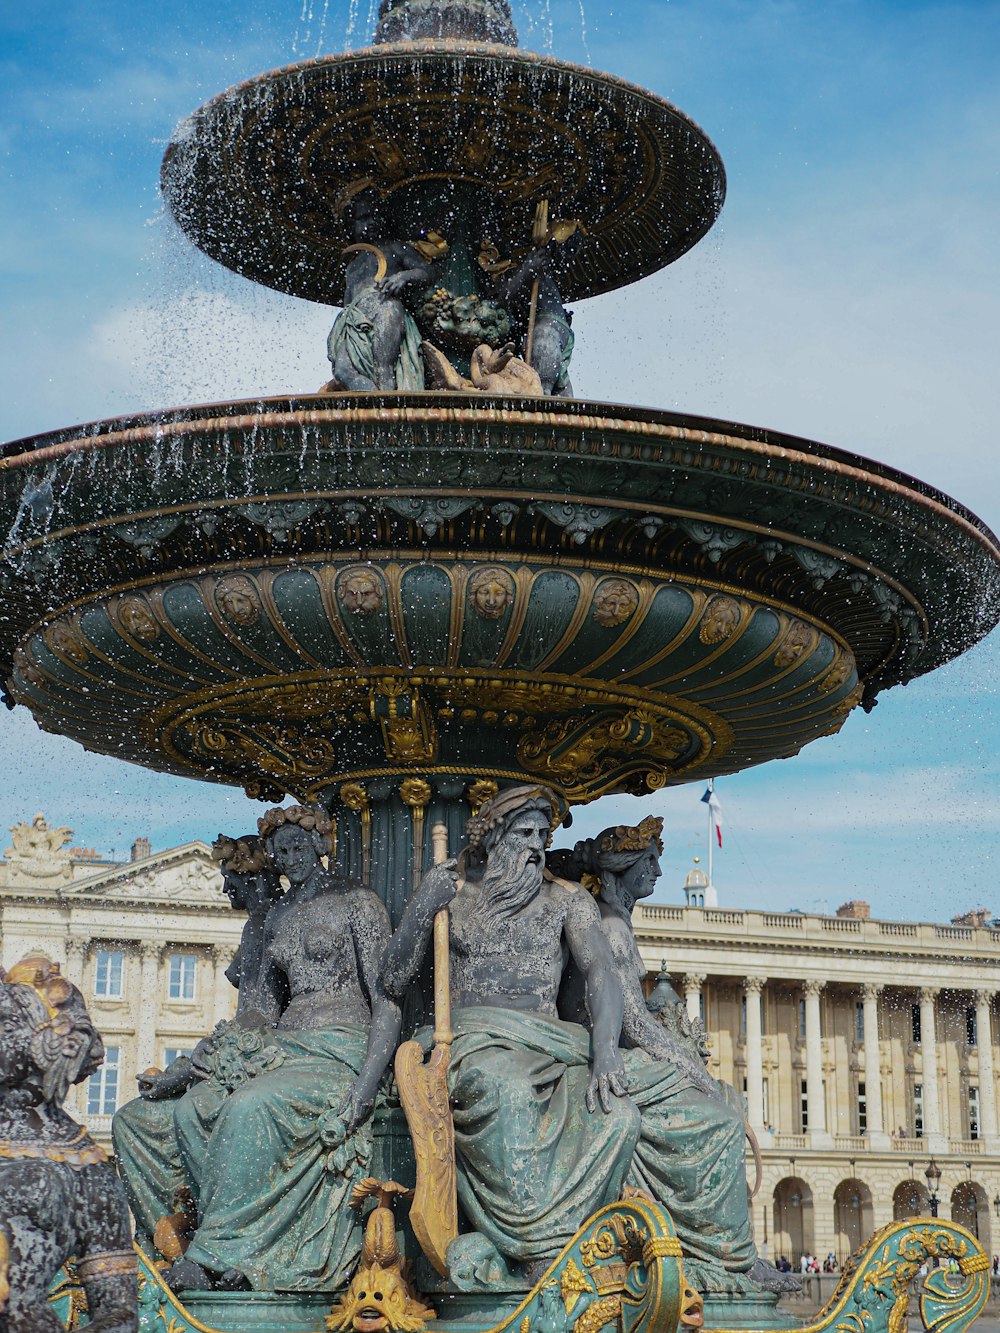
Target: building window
(701,1005)
(743,1017)
(918,1110)
(102,1089)
(182,970)
(108,974)
(859,1020)
(973,1112)
(172,1053)
(915,1023)
(802,1017)
(862,1109)
(971,1034)
(766,1110)
(804,1106)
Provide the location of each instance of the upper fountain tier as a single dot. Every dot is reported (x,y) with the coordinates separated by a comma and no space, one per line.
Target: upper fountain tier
(453,127)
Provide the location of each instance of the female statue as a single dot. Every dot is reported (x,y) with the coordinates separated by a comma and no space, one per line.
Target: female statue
(273,1166)
(143,1129)
(690,1152)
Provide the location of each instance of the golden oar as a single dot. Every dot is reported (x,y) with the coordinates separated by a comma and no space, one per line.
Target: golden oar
(539,238)
(423,1091)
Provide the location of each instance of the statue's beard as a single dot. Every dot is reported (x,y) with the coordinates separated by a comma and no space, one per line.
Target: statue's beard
(511,880)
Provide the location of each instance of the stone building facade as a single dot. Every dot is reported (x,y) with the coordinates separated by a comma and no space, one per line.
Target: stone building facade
(147,942)
(865,1048)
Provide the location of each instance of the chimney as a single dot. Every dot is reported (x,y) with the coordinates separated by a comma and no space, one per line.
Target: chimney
(857,909)
(141,848)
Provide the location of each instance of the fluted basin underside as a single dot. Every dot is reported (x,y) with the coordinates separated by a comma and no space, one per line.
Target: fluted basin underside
(298,593)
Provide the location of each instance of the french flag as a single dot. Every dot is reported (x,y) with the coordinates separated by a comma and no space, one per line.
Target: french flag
(715,812)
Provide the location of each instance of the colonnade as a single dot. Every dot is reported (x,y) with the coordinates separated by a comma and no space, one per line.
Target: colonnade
(877,1132)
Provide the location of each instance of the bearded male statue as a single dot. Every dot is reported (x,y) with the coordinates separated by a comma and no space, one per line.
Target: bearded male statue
(554,1116)
(544,1132)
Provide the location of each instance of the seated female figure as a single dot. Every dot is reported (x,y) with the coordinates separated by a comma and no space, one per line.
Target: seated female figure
(272,1168)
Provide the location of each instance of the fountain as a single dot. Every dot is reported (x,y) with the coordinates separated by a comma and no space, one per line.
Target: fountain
(396,599)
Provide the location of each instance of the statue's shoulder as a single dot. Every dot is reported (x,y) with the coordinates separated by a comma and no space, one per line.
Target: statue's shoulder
(365,902)
(572,898)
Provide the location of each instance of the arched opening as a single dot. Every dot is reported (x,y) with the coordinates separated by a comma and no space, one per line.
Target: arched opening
(910,1199)
(852,1217)
(793,1220)
(970,1208)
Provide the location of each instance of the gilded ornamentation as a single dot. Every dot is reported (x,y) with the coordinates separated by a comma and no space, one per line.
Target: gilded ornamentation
(614,602)
(136,619)
(354,797)
(720,621)
(634,839)
(579,752)
(849,701)
(407,724)
(285,752)
(66,639)
(838,674)
(602,1312)
(360,591)
(574,1284)
(491,591)
(238,599)
(415,793)
(479,792)
(799,642)
(380,1297)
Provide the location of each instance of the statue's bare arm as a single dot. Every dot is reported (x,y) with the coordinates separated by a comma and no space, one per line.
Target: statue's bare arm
(643,1031)
(405,951)
(371,931)
(589,948)
(412,268)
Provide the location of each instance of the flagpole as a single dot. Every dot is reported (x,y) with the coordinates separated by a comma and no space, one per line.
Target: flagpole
(711,788)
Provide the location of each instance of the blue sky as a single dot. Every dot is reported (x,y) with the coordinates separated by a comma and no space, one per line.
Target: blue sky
(850,293)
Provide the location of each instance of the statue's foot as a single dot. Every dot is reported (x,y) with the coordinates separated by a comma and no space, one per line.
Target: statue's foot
(767,1276)
(475,1264)
(186,1275)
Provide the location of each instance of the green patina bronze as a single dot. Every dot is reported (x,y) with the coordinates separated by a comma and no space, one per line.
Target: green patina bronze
(393,601)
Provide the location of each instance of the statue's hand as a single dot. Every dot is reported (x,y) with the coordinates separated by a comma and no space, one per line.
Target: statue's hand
(439,885)
(607,1076)
(356,1107)
(394,284)
(172,1082)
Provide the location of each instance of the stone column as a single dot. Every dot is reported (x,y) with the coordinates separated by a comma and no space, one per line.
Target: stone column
(815,1100)
(693,982)
(754,1053)
(77,948)
(987,1087)
(928,1049)
(873,1070)
(148,1007)
(224,994)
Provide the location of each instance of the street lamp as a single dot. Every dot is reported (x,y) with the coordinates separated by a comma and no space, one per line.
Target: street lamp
(933,1175)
